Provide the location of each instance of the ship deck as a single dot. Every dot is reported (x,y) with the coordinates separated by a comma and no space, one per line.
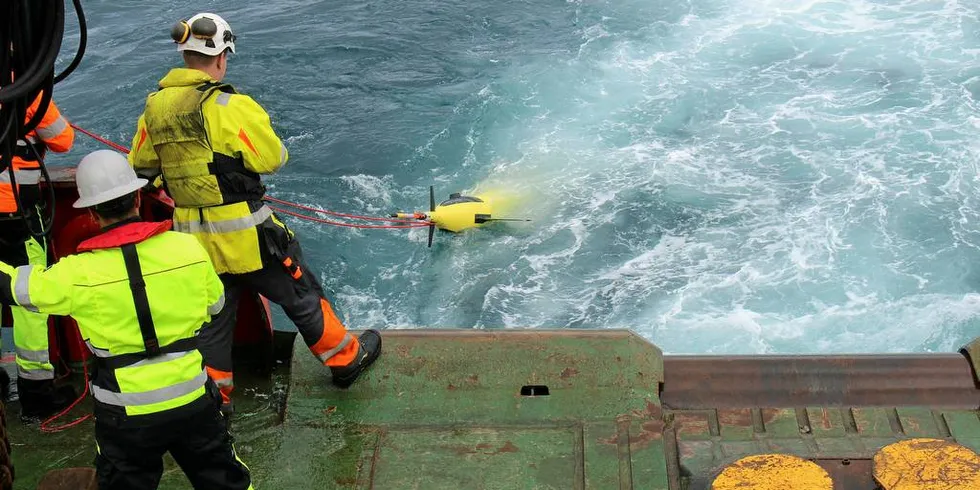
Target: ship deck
(564,409)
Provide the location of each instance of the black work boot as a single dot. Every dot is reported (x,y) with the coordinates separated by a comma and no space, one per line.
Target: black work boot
(40,399)
(368,351)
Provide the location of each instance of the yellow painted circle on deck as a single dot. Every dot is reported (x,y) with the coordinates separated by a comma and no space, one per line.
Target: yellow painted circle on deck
(920,464)
(773,472)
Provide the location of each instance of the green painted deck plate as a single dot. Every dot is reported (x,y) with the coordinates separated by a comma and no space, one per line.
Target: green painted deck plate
(965,427)
(444,409)
(484,458)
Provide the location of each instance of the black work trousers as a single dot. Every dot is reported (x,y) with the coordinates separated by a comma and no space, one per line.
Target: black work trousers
(293,287)
(299,298)
(131,458)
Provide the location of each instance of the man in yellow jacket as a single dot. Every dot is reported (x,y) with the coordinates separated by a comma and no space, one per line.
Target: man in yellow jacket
(18,217)
(139,293)
(211,144)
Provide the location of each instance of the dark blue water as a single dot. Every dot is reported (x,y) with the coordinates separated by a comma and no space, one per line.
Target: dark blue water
(720,175)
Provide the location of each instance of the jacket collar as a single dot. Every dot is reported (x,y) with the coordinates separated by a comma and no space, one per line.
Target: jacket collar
(185,77)
(125,233)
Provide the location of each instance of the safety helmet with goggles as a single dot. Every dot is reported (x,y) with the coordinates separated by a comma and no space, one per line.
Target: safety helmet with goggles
(204,33)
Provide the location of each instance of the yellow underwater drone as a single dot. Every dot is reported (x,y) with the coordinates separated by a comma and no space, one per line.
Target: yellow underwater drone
(455,214)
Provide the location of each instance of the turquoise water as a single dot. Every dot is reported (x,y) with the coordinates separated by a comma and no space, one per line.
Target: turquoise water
(724,176)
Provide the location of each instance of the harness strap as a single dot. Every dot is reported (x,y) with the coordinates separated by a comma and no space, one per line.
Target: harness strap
(224,164)
(138,287)
(209,87)
(125,360)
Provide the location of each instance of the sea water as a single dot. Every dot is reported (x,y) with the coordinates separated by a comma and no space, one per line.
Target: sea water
(722,176)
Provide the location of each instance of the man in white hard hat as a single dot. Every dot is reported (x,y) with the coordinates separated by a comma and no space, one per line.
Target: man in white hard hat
(211,144)
(140,293)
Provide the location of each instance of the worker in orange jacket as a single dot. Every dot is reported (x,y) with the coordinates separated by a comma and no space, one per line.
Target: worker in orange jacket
(35,374)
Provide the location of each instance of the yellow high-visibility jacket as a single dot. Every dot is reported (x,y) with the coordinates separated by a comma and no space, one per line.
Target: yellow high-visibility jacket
(94,287)
(211,144)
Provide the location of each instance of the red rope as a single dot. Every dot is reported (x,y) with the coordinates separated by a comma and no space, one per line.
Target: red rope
(46,425)
(419,224)
(406,223)
(334,213)
(115,146)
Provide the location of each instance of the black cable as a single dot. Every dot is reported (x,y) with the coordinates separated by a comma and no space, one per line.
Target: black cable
(31,35)
(50,44)
(9,127)
(30,78)
(82,42)
(46,224)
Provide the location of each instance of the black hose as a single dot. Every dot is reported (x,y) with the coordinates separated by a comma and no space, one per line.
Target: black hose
(82,42)
(50,44)
(31,35)
(29,80)
(45,222)
(6,129)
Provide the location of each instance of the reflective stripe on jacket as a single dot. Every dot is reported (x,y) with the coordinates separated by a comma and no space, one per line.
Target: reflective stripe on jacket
(181,289)
(211,144)
(53,132)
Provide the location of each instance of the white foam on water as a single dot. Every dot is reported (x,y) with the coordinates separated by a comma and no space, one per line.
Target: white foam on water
(721,175)
(763,180)
(370,192)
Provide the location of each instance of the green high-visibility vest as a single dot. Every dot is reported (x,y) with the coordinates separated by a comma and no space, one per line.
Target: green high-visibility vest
(139,294)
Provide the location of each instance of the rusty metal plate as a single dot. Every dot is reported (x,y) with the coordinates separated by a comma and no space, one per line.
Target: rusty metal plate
(935,380)
(925,464)
(972,352)
(69,479)
(848,473)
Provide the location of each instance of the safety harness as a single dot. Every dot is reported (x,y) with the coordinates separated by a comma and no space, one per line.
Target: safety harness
(125,235)
(194,174)
(138,286)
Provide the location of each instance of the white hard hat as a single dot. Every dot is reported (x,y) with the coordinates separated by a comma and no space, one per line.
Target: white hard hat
(102,176)
(204,33)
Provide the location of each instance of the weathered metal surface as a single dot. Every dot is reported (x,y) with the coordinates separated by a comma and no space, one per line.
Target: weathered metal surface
(926,464)
(964,427)
(848,474)
(69,479)
(444,409)
(473,377)
(62,176)
(842,440)
(506,458)
(937,380)
(772,472)
(972,352)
